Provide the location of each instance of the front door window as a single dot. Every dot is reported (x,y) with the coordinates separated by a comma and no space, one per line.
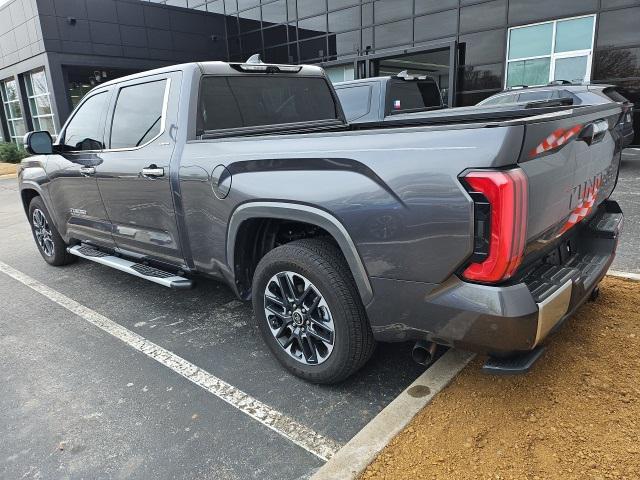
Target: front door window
(85,130)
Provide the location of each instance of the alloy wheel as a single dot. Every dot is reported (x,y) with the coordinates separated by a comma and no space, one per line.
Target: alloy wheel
(299,318)
(42,231)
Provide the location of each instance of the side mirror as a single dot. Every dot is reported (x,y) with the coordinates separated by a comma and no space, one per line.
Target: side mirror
(38,143)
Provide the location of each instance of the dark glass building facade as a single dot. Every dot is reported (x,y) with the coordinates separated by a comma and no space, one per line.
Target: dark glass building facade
(473,48)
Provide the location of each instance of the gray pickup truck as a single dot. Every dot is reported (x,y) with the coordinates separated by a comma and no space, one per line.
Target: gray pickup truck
(478,233)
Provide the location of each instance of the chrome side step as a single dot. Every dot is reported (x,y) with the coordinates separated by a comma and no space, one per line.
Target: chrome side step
(152,274)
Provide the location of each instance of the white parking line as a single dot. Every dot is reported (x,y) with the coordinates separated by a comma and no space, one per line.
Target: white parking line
(290,429)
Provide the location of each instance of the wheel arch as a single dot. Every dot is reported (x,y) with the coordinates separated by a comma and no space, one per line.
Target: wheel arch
(304,214)
(27,194)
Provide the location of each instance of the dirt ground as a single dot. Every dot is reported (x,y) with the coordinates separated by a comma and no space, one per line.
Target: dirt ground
(575,416)
(8,168)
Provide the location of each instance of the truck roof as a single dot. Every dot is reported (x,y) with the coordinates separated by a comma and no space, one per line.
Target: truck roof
(214,68)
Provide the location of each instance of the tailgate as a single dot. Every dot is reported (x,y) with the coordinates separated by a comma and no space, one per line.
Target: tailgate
(571,160)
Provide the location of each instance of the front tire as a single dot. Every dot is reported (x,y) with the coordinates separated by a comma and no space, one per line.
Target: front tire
(310,313)
(49,242)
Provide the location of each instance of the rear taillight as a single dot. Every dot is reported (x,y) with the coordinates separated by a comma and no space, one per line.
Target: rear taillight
(500,227)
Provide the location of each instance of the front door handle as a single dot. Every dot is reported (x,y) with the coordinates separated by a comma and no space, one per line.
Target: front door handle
(87,170)
(153,171)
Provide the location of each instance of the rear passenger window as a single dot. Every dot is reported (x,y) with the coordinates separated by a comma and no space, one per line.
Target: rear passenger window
(355,101)
(240,102)
(137,118)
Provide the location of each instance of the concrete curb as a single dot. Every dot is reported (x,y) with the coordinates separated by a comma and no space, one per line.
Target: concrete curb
(626,275)
(351,460)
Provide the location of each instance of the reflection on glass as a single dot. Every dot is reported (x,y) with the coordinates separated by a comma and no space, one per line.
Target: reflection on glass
(307,8)
(391,34)
(618,63)
(347,19)
(313,49)
(252,14)
(277,54)
(482,47)
(344,43)
(83,131)
(531,41)
(312,27)
(333,4)
(275,35)
(216,7)
(528,72)
(573,69)
(481,77)
(575,34)
(275,12)
(618,27)
(392,10)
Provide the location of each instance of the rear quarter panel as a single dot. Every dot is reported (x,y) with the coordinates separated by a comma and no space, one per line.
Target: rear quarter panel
(396,191)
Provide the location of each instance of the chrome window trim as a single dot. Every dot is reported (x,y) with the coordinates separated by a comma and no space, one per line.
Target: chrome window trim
(163,119)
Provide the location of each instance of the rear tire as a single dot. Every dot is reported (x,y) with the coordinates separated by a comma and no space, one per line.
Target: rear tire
(337,324)
(49,242)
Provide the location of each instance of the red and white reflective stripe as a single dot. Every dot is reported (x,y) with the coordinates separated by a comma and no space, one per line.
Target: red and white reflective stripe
(557,138)
(584,207)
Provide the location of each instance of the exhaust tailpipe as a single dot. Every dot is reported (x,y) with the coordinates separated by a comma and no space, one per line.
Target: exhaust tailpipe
(424,352)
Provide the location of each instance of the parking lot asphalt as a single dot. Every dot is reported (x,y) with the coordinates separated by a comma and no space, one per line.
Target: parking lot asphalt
(627,193)
(80,403)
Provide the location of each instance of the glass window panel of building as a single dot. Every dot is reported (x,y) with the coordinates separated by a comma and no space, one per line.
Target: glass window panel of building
(556,50)
(12,110)
(39,101)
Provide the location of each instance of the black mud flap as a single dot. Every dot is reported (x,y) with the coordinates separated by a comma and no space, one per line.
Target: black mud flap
(515,365)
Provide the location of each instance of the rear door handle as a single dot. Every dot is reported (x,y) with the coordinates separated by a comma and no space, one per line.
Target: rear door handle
(153,171)
(87,170)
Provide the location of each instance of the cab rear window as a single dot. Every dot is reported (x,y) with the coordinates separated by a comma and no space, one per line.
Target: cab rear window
(412,96)
(263,100)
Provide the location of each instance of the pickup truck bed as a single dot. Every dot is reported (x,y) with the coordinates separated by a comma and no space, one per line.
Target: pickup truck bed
(483,234)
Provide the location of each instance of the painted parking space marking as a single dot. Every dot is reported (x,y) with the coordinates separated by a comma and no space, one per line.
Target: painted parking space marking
(301,435)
